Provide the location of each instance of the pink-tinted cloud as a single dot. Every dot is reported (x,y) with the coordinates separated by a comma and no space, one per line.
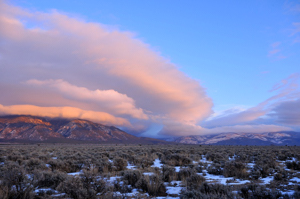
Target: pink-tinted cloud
(296,28)
(90,64)
(287,90)
(275,44)
(65,112)
(273,52)
(108,100)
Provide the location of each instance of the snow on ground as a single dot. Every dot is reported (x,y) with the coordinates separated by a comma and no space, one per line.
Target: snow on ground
(45,190)
(292,160)
(266,180)
(157,163)
(58,195)
(294,179)
(174,190)
(250,165)
(133,193)
(148,173)
(177,169)
(221,179)
(233,157)
(203,160)
(130,166)
(112,179)
(177,183)
(289,192)
(75,173)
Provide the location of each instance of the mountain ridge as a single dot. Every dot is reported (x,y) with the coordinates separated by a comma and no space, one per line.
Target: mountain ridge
(22,128)
(267,138)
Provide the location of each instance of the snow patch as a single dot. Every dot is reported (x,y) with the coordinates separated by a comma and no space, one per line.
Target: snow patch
(130,166)
(75,173)
(157,163)
(266,180)
(148,173)
(174,190)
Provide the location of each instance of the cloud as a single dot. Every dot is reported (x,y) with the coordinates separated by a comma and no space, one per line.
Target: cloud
(287,113)
(58,66)
(279,106)
(65,112)
(70,62)
(292,7)
(275,50)
(295,32)
(296,28)
(108,100)
(178,129)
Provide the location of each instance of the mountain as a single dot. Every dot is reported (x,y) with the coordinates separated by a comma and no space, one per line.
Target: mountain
(271,138)
(39,129)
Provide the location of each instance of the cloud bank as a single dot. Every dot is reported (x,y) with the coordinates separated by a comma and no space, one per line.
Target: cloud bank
(53,60)
(55,65)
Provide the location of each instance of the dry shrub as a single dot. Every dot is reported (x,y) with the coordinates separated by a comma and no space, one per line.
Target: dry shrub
(33,164)
(120,164)
(73,187)
(209,191)
(85,186)
(153,185)
(215,168)
(214,156)
(185,173)
(194,181)
(281,175)
(235,169)
(15,183)
(177,160)
(256,191)
(293,165)
(105,166)
(131,177)
(48,179)
(55,164)
(168,173)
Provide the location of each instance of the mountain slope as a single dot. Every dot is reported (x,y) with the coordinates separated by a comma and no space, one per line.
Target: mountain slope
(30,128)
(272,138)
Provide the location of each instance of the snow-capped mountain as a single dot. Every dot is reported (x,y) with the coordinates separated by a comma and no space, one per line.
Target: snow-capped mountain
(270,138)
(30,128)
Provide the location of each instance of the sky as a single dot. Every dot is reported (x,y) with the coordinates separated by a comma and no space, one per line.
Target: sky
(154,68)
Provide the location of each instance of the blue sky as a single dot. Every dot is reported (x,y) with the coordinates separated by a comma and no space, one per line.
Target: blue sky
(236,50)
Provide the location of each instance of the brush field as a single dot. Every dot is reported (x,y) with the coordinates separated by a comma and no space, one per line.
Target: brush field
(148,171)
